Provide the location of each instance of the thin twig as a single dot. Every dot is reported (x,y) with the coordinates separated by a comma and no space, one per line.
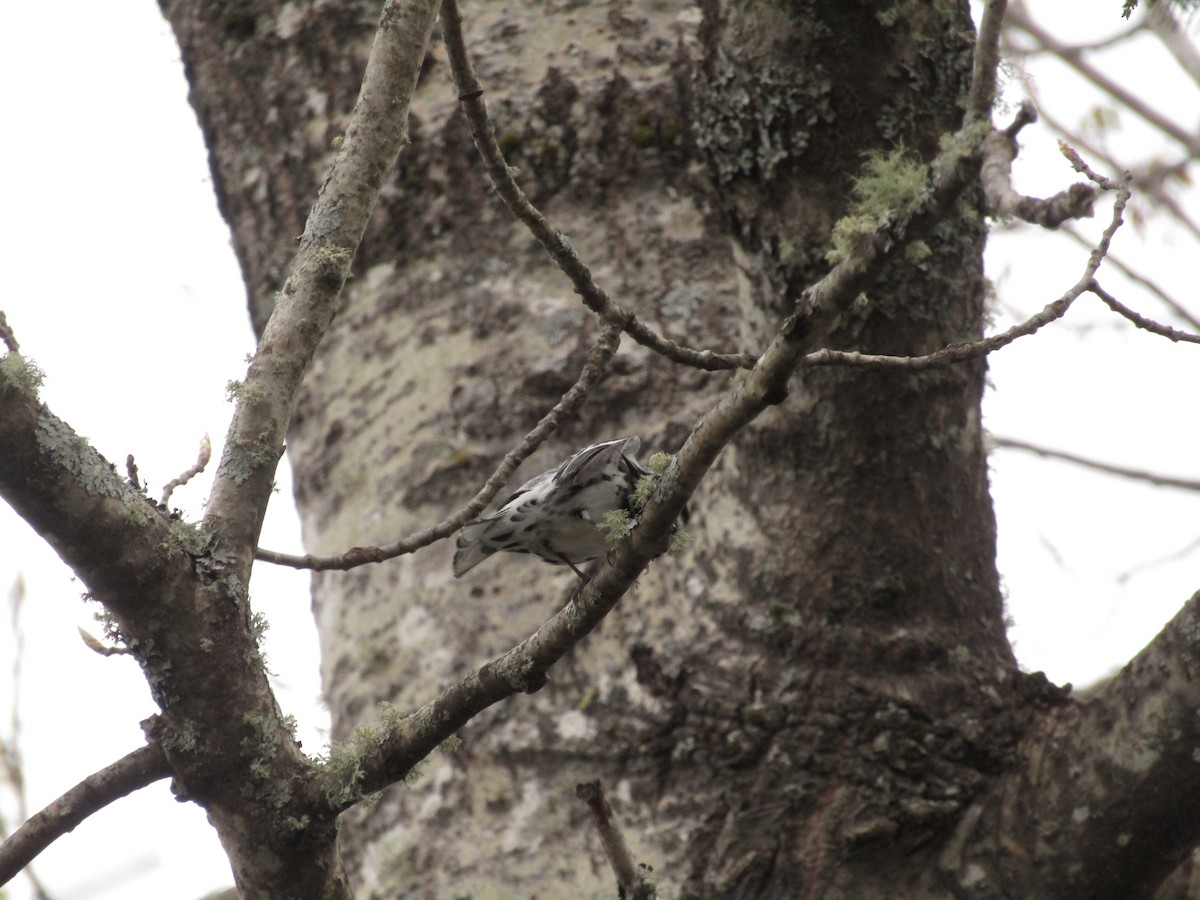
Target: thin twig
(630,882)
(470,94)
(1170,559)
(202,458)
(594,367)
(136,770)
(1141,321)
(954,353)
(1154,478)
(1138,278)
(975,349)
(6,334)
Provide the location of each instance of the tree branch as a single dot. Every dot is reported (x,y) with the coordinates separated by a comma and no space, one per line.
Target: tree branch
(594,367)
(202,457)
(986,63)
(106,531)
(630,882)
(6,334)
(524,667)
(470,94)
(1187,484)
(1154,287)
(136,770)
(1141,321)
(999,151)
(973,350)
(179,593)
(304,308)
(1117,776)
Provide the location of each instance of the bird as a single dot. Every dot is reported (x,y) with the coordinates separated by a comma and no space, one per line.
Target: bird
(554,515)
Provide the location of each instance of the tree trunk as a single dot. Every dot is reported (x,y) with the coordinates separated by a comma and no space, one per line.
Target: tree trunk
(806,700)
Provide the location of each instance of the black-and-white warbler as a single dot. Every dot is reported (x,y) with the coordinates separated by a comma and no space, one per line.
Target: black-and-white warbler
(554,515)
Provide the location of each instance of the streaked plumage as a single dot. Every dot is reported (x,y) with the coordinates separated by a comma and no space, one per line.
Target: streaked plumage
(554,515)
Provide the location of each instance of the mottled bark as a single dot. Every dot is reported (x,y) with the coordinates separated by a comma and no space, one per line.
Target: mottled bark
(817,698)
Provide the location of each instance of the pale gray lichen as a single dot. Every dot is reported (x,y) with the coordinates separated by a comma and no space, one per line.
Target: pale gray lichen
(66,449)
(18,373)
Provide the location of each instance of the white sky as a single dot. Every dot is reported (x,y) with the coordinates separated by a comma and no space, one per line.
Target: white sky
(123,288)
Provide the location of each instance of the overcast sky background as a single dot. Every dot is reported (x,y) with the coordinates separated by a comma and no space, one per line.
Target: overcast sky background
(123,288)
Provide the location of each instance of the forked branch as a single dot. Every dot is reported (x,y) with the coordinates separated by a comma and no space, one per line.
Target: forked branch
(143,766)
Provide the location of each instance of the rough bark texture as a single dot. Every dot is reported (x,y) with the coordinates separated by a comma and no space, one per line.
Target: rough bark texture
(807,700)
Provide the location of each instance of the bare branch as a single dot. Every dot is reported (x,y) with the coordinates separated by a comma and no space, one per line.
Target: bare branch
(1187,484)
(1141,321)
(136,770)
(594,367)
(470,94)
(1169,559)
(630,881)
(1153,286)
(999,151)
(202,458)
(955,352)
(6,334)
(987,60)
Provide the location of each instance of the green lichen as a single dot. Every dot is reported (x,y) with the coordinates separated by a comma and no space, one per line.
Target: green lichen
(342,773)
(889,183)
(956,146)
(236,391)
(680,541)
(888,17)
(17,373)
(261,743)
(616,524)
(259,626)
(186,538)
(333,262)
(109,627)
(391,718)
(917,251)
(184,737)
